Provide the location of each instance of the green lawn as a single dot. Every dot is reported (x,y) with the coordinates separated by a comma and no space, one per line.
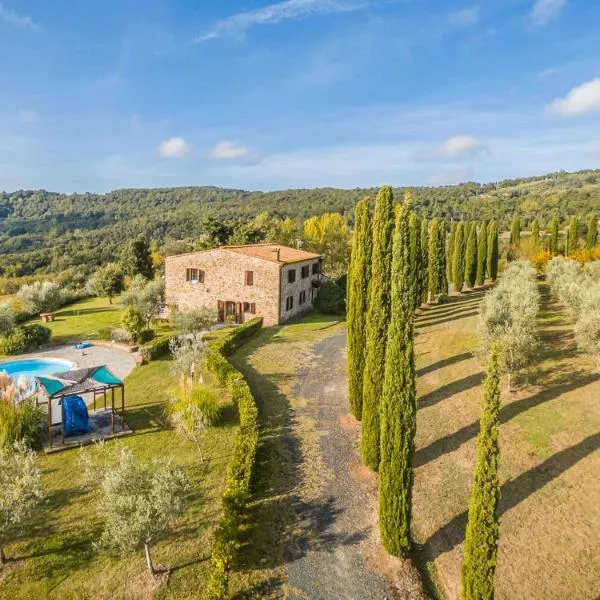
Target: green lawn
(549,454)
(56,558)
(84,319)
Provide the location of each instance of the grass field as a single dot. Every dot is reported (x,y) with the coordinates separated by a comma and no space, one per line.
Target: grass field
(56,559)
(83,319)
(550,463)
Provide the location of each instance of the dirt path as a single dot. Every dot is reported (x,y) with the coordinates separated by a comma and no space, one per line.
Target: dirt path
(314,524)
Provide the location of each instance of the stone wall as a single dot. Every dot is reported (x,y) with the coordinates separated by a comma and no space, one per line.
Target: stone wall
(294,289)
(223,281)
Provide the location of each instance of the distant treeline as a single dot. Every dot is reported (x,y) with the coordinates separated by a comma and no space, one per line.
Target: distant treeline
(44,232)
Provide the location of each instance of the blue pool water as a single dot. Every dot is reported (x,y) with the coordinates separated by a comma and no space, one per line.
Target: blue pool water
(33,367)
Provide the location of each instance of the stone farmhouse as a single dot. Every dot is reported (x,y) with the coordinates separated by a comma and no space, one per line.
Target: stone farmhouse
(240,282)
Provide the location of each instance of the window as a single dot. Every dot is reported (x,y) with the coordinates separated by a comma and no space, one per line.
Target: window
(292,276)
(246,307)
(194,275)
(289,303)
(305,272)
(302,298)
(248,277)
(315,268)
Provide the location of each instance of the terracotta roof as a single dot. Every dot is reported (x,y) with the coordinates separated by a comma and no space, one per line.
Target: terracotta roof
(269,252)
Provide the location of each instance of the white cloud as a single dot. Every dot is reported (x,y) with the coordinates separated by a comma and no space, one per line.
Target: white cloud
(13,18)
(271,14)
(462,146)
(545,11)
(227,150)
(174,147)
(27,116)
(465,17)
(582,99)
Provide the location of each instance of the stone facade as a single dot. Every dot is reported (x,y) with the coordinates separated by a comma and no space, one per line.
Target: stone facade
(220,281)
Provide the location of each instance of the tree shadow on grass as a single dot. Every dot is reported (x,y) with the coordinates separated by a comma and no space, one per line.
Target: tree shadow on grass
(83,311)
(453,441)
(513,493)
(449,319)
(447,391)
(446,362)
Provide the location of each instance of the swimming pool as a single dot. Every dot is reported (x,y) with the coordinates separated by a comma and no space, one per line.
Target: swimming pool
(33,367)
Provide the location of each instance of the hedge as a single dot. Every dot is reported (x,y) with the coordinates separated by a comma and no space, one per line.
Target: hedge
(157,348)
(239,472)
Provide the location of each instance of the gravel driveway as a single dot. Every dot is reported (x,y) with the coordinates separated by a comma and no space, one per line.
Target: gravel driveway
(351,563)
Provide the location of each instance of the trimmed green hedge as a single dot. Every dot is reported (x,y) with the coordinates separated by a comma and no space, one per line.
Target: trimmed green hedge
(239,472)
(157,348)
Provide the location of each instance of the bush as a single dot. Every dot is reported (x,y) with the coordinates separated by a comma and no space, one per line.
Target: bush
(7,319)
(146,335)
(120,335)
(331,299)
(105,333)
(133,322)
(40,296)
(195,320)
(157,348)
(25,338)
(239,472)
(19,422)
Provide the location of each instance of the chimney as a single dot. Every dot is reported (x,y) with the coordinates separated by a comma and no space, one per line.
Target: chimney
(277,252)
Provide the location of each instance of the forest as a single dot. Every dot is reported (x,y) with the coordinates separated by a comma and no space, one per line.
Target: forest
(44,232)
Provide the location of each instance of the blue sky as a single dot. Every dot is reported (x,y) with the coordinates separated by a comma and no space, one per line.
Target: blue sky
(298,93)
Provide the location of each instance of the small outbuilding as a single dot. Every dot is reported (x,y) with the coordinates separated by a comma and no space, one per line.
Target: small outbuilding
(106,397)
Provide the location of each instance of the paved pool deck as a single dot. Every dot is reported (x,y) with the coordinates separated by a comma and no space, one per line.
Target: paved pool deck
(120,362)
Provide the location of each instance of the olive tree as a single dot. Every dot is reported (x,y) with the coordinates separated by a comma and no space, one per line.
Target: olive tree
(20,491)
(508,317)
(108,281)
(138,502)
(40,296)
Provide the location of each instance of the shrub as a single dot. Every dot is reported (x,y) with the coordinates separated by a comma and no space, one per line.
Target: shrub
(239,472)
(19,422)
(120,335)
(25,338)
(331,299)
(7,319)
(105,333)
(146,335)
(20,491)
(157,348)
(195,320)
(40,296)
(133,322)
(193,410)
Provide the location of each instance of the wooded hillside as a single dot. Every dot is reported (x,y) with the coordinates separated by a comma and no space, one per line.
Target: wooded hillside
(47,232)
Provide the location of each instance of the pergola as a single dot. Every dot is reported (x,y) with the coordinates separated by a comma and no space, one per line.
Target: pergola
(98,381)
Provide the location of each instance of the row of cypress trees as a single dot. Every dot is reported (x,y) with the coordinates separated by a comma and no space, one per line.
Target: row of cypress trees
(398,261)
(473,253)
(572,240)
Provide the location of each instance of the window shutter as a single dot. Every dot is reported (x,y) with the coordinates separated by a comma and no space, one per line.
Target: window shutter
(187,274)
(253,308)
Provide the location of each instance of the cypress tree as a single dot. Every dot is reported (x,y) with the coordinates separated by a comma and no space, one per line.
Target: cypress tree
(573,239)
(441,262)
(437,260)
(424,259)
(481,540)
(515,232)
(554,235)
(493,251)
(415,259)
(458,258)
(398,405)
(358,286)
(535,234)
(592,233)
(450,252)
(471,257)
(481,254)
(378,317)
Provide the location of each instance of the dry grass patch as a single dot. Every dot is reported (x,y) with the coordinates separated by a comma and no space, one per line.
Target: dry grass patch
(550,463)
